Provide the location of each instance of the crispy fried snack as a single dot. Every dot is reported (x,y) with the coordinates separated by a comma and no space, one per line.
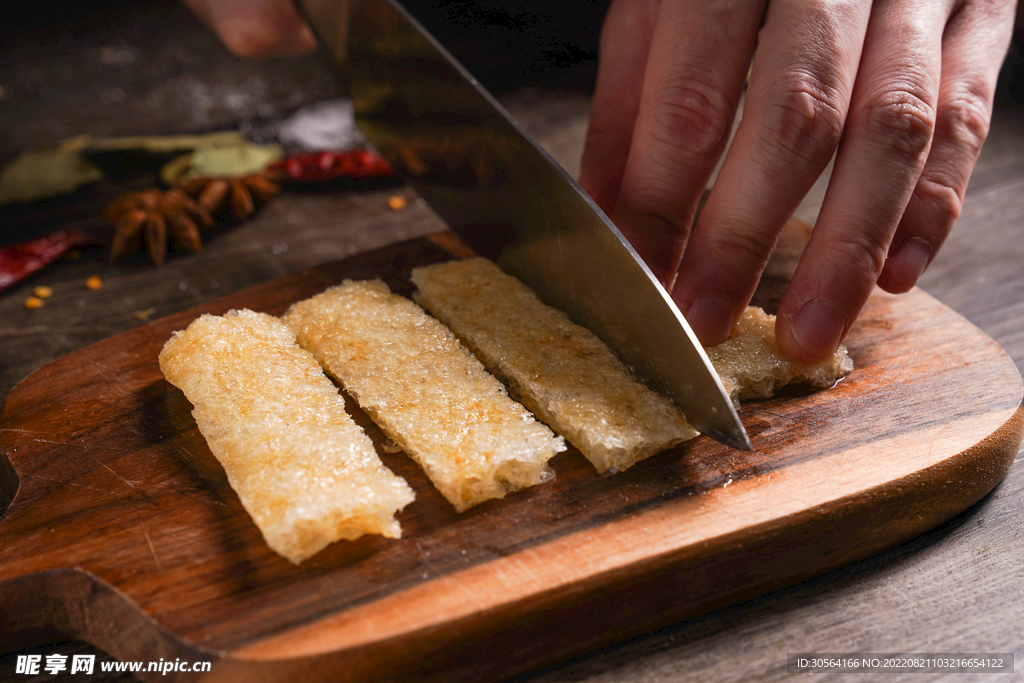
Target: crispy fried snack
(752,366)
(426,391)
(305,472)
(562,372)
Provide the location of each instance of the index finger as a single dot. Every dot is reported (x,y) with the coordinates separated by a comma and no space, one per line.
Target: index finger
(695,71)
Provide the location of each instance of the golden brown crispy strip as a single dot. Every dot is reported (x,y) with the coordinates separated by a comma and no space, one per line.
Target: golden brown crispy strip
(562,372)
(752,366)
(426,391)
(305,472)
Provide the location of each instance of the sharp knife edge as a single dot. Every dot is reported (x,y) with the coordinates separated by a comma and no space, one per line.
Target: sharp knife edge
(510,201)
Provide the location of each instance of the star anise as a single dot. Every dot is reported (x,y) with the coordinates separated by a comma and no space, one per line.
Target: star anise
(239,196)
(156,214)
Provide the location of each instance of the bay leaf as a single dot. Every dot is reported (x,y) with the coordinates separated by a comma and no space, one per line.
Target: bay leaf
(40,175)
(161,144)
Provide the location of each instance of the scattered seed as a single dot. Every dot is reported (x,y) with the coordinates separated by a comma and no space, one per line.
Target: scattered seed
(396,202)
(33,302)
(43,292)
(146,314)
(93,282)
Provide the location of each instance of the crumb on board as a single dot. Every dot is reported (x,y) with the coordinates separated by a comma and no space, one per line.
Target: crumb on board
(33,302)
(93,282)
(397,202)
(42,292)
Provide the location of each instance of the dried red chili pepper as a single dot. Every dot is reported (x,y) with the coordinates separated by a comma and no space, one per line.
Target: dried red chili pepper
(18,261)
(314,167)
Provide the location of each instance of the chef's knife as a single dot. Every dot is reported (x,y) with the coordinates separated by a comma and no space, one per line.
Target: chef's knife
(505,196)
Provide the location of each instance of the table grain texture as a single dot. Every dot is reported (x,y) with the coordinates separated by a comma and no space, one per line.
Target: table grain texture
(150,68)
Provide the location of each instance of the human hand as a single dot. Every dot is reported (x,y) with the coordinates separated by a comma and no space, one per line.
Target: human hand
(903,89)
(256,28)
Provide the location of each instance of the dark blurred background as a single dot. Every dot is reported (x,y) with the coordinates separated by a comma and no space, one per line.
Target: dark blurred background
(149,67)
(139,67)
(127,68)
(120,67)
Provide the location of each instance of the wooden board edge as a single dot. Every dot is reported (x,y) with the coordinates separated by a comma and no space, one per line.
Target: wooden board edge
(690,526)
(613,607)
(72,604)
(9,483)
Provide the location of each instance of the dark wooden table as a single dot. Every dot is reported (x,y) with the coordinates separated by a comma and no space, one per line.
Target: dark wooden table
(128,69)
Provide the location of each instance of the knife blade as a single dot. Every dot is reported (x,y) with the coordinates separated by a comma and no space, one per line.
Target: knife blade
(511,202)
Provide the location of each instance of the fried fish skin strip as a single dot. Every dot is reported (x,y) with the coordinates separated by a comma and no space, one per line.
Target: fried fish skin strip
(752,366)
(562,372)
(426,391)
(303,469)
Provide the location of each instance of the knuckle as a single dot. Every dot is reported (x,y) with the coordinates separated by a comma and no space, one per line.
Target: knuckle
(745,250)
(966,120)
(860,251)
(942,196)
(658,200)
(691,117)
(805,120)
(904,120)
(962,122)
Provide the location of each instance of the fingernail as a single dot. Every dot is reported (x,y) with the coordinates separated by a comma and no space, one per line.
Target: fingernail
(818,328)
(709,319)
(909,263)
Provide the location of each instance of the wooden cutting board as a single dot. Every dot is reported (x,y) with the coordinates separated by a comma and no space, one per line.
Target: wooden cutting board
(124,532)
